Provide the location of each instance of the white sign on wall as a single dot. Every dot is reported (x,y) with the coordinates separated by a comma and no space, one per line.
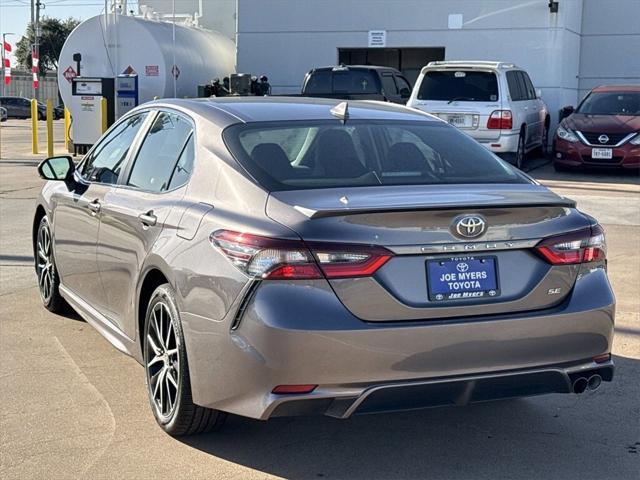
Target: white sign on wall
(455,21)
(377,38)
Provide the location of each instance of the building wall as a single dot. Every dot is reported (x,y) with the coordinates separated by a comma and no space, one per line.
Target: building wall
(610,50)
(587,43)
(285,38)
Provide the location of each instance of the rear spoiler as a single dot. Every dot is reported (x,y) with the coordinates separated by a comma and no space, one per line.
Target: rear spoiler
(334,212)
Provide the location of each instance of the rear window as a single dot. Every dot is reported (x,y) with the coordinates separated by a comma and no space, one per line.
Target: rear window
(459,85)
(326,82)
(301,155)
(611,103)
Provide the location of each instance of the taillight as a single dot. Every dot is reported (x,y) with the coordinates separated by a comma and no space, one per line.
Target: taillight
(500,120)
(343,261)
(278,259)
(582,246)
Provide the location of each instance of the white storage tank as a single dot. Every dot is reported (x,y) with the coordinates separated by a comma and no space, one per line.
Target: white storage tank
(114,44)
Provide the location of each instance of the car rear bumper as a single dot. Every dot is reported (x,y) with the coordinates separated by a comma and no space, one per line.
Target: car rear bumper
(507,142)
(577,154)
(438,392)
(294,333)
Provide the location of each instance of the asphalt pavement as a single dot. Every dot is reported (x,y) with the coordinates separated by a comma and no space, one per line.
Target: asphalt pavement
(71,406)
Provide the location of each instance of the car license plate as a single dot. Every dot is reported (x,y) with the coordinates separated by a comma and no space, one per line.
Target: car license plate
(601,153)
(462,277)
(460,121)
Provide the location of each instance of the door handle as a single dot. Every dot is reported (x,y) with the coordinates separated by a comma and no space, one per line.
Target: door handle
(94,206)
(148,219)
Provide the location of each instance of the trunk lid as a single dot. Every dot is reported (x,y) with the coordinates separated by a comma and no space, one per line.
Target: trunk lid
(417,224)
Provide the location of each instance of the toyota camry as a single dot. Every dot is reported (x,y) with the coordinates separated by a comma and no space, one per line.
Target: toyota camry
(283,256)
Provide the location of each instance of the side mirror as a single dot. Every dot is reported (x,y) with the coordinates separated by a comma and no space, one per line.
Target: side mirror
(57,168)
(405,92)
(538,93)
(566,111)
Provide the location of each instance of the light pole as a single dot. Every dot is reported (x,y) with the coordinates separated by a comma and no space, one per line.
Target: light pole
(4,36)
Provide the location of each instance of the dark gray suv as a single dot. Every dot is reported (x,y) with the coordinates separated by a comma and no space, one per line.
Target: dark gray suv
(281,256)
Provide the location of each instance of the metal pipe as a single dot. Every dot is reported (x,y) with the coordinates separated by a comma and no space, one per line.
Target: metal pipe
(103,114)
(49,128)
(580,385)
(34,126)
(67,128)
(594,382)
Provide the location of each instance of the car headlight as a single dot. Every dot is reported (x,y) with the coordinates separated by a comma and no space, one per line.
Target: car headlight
(566,134)
(635,140)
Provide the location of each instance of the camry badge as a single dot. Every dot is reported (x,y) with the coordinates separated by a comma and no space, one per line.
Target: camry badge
(603,139)
(469,226)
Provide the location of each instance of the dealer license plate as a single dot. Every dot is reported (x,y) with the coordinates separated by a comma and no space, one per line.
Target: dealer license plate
(462,277)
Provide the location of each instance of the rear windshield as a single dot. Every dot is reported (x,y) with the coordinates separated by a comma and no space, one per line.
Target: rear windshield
(326,82)
(611,103)
(459,85)
(325,154)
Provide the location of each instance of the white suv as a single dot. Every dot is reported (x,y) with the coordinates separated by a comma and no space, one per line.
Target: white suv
(494,102)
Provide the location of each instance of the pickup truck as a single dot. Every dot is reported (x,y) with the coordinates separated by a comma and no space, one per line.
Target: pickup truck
(357,82)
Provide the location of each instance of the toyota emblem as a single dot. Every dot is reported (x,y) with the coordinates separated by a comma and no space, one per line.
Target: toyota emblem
(469,226)
(603,139)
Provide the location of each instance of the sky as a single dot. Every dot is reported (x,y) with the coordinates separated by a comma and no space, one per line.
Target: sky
(15,15)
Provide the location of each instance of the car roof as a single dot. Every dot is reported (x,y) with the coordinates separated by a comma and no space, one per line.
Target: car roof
(480,64)
(354,67)
(229,110)
(617,88)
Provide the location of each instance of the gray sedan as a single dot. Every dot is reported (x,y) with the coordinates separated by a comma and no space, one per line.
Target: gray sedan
(277,256)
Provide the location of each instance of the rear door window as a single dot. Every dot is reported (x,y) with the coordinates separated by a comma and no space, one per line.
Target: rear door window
(388,84)
(184,167)
(459,85)
(516,87)
(531,92)
(160,151)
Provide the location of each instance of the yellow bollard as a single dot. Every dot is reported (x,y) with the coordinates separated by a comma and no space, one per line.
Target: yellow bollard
(34,126)
(67,128)
(49,128)
(103,114)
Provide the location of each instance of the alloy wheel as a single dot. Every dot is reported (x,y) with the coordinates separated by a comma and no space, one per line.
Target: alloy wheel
(45,266)
(162,360)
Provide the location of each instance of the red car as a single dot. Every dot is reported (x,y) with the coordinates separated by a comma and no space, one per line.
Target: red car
(604,131)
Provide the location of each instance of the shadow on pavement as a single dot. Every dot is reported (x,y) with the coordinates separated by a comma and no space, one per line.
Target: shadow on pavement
(557,436)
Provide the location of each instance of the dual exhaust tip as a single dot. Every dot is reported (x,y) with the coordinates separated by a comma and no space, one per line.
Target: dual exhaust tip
(581,384)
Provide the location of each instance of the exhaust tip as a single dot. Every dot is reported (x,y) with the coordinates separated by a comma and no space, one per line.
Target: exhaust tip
(594,382)
(580,385)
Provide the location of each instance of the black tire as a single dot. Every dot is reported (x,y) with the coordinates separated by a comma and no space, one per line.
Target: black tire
(41,117)
(544,146)
(520,154)
(46,271)
(167,371)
